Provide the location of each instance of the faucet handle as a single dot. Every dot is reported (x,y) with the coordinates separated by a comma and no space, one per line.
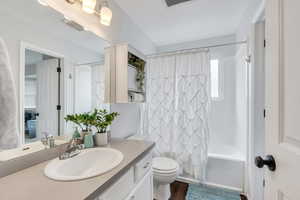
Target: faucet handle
(48,140)
(51,141)
(44,142)
(45,134)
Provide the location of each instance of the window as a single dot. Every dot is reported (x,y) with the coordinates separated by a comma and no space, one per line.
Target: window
(215,79)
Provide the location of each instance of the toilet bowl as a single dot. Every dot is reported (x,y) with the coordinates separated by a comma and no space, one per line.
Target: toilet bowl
(165,171)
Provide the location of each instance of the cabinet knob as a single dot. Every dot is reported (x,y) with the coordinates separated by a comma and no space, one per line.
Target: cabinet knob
(147,165)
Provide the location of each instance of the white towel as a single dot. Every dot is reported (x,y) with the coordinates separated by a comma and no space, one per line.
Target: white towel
(138,97)
(8,103)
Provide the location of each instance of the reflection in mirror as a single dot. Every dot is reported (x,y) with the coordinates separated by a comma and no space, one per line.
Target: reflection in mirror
(57,67)
(41,95)
(89,87)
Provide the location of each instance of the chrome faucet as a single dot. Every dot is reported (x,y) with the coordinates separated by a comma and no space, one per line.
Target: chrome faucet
(72,150)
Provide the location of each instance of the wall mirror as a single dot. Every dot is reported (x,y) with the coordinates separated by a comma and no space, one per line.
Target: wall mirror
(57,66)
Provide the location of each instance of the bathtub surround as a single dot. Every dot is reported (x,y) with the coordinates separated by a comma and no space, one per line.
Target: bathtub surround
(8,102)
(176,113)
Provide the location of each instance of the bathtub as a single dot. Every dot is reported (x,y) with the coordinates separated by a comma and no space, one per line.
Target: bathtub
(226,168)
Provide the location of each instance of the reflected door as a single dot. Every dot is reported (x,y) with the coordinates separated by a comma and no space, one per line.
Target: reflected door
(47,97)
(83,89)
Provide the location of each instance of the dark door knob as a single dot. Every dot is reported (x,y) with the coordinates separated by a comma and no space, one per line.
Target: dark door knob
(268,161)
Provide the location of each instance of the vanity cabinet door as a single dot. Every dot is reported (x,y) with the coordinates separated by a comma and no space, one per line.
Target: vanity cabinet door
(121,188)
(144,189)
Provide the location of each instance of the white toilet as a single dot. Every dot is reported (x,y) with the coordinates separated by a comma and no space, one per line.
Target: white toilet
(165,171)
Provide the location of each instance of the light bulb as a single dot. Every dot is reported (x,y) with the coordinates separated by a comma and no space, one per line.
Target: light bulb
(88,6)
(105,16)
(43,2)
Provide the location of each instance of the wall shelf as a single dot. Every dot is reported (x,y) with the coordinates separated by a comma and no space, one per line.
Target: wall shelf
(124,75)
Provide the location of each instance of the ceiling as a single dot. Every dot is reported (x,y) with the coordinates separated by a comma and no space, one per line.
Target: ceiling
(194,20)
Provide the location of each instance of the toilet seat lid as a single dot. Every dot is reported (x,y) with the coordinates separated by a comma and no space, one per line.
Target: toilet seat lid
(164,164)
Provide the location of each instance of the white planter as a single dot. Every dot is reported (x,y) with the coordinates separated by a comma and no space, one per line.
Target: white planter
(101,139)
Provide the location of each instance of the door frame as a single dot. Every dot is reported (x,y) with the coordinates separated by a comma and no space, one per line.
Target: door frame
(28,46)
(254,48)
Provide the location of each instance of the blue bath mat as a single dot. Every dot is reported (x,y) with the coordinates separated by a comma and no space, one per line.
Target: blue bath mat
(203,192)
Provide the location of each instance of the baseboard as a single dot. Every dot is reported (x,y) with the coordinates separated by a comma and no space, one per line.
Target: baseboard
(223,186)
(187,180)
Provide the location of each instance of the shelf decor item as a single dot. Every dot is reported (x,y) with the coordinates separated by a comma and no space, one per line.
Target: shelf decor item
(88,140)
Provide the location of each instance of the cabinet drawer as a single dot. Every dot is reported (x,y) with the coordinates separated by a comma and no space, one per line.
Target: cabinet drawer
(121,188)
(142,167)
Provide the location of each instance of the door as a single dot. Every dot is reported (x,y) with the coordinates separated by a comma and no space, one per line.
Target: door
(283,99)
(83,89)
(47,97)
(144,189)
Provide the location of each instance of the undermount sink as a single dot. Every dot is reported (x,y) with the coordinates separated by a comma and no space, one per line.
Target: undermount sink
(89,163)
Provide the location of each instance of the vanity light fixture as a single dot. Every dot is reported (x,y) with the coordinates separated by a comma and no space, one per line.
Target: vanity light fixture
(88,6)
(105,14)
(96,7)
(43,2)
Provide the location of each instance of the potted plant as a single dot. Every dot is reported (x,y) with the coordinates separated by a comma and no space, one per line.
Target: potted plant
(84,121)
(102,119)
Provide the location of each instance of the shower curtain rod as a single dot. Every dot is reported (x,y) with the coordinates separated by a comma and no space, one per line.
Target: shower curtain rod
(90,63)
(199,48)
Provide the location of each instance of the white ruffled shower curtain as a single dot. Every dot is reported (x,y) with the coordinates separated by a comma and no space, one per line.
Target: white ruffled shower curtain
(175,115)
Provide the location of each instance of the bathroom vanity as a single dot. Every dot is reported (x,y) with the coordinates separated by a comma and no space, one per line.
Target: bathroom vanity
(131,179)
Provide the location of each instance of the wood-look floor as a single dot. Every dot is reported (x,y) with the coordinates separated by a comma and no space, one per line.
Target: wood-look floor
(178,190)
(244,197)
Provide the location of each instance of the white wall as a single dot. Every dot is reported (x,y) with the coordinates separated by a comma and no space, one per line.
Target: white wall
(198,43)
(241,86)
(245,27)
(83,89)
(128,123)
(122,28)
(246,30)
(256,141)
